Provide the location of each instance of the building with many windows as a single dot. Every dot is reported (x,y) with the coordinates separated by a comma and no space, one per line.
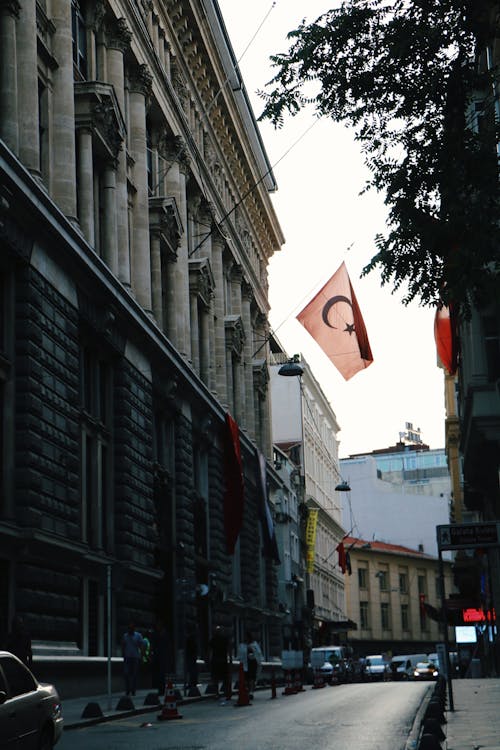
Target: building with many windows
(387,590)
(398,495)
(136,226)
(305,428)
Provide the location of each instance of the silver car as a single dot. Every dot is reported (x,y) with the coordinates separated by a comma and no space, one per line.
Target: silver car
(30,711)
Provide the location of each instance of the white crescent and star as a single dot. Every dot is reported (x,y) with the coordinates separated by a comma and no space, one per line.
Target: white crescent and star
(328,306)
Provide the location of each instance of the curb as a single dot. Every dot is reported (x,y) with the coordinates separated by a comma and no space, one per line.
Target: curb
(414,735)
(126,714)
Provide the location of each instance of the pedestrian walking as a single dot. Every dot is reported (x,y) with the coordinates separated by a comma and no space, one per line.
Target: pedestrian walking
(132,651)
(219,658)
(250,655)
(19,641)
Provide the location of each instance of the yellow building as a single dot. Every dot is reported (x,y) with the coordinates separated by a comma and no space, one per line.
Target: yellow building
(391,592)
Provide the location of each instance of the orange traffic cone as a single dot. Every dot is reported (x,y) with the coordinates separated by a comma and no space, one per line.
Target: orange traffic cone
(169,710)
(243,698)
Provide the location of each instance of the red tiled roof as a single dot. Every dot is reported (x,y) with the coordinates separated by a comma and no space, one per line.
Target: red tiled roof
(351,542)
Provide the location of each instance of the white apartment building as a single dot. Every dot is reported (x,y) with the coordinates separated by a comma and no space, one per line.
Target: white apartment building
(305,427)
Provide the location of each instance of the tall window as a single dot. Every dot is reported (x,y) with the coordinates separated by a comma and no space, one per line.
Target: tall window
(383,578)
(385,616)
(403,583)
(96,410)
(79,34)
(363,578)
(364,615)
(405,618)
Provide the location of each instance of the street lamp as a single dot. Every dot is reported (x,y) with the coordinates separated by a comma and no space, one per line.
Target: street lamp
(291,369)
(343,486)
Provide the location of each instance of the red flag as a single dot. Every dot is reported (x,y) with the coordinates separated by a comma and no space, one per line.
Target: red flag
(233,475)
(445,335)
(334,320)
(342,556)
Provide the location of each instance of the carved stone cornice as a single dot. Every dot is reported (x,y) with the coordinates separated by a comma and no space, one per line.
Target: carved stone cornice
(97,15)
(97,109)
(10,7)
(173,148)
(201,280)
(247,292)
(164,219)
(235,334)
(141,80)
(260,376)
(179,86)
(118,34)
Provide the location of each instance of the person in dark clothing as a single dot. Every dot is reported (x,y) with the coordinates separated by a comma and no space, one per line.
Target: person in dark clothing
(19,641)
(220,657)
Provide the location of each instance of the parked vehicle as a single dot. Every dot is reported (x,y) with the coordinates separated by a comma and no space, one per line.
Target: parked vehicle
(402,667)
(333,663)
(30,711)
(376,667)
(425,670)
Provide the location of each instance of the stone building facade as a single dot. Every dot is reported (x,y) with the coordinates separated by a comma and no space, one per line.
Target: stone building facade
(135,231)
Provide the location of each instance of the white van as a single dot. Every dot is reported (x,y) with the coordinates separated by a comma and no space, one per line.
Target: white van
(402,667)
(331,662)
(376,667)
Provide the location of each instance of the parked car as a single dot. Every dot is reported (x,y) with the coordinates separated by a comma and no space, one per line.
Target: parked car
(30,711)
(376,667)
(402,667)
(333,663)
(425,670)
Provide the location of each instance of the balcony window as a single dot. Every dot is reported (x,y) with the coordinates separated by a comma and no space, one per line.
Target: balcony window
(79,33)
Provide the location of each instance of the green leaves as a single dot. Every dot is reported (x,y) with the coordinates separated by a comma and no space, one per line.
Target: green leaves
(405,76)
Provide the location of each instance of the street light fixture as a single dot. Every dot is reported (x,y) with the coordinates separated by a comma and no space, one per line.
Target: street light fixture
(291,369)
(343,487)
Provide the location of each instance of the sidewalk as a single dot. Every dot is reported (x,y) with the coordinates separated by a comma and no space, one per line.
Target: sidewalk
(73,708)
(475,722)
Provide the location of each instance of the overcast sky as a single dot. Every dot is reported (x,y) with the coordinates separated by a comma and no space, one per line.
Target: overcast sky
(325,222)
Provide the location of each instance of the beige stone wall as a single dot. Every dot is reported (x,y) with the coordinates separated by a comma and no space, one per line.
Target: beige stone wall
(393,581)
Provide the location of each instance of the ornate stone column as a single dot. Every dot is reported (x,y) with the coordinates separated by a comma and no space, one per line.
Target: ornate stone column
(63,112)
(246,299)
(27,95)
(140,88)
(238,366)
(9,11)
(195,332)
(118,41)
(176,186)
(85,185)
(218,315)
(110,243)
(156,276)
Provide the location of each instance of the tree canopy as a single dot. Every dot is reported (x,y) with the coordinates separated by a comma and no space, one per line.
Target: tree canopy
(415,81)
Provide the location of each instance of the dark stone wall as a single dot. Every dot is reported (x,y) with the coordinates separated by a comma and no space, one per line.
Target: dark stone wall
(46,405)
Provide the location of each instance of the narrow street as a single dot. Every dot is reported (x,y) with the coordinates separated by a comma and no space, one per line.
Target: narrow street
(376,716)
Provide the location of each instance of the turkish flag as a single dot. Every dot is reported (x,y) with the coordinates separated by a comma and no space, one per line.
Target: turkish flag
(234,497)
(334,320)
(445,335)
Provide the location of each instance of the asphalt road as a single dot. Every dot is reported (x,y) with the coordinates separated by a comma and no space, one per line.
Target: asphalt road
(375,716)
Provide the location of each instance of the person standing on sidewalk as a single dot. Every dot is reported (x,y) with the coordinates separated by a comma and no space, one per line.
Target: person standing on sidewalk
(219,658)
(132,650)
(250,655)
